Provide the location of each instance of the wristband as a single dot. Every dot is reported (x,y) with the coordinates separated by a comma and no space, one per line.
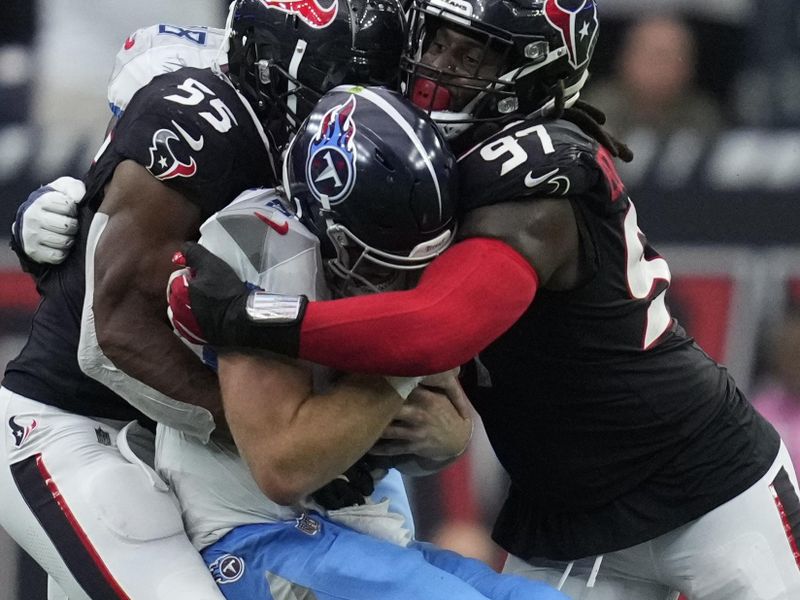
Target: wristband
(263,307)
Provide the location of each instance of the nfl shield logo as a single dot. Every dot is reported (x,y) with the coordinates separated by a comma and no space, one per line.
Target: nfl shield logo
(307,525)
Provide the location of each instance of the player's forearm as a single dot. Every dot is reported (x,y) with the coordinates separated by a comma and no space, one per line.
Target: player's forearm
(466,299)
(348,421)
(151,353)
(295,441)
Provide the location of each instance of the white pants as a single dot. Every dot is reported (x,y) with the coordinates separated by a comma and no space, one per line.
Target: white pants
(102,524)
(741,550)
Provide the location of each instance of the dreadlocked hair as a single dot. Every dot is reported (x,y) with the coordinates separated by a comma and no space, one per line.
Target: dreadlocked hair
(591,120)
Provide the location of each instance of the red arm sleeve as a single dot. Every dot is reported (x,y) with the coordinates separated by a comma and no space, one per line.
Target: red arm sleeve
(465,299)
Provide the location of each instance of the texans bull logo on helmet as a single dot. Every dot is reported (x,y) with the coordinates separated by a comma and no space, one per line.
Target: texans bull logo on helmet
(576,21)
(163,162)
(330,168)
(311,12)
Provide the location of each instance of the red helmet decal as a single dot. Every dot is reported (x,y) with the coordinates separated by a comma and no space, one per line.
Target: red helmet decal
(311,12)
(576,21)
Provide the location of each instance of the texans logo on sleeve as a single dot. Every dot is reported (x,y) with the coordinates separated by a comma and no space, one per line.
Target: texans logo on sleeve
(163,162)
(21,432)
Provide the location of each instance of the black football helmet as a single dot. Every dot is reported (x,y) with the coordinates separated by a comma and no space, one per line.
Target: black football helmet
(544,48)
(372,177)
(284,54)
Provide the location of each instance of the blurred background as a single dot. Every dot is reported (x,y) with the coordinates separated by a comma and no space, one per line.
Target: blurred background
(706,94)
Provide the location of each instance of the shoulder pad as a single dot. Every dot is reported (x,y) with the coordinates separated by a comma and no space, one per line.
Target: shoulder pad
(156,50)
(266,244)
(529,159)
(191,129)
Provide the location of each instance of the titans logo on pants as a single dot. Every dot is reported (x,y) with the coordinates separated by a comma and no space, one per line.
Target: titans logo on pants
(227,569)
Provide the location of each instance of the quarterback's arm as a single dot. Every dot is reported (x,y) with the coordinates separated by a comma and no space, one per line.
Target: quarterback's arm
(465,299)
(294,440)
(144,221)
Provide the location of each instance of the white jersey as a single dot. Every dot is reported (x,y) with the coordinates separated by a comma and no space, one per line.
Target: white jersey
(159,49)
(267,246)
(212,481)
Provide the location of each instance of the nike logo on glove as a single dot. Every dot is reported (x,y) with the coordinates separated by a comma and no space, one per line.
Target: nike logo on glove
(532,182)
(282,228)
(194,144)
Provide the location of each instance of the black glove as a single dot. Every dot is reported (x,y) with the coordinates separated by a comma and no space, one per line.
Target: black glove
(350,488)
(220,303)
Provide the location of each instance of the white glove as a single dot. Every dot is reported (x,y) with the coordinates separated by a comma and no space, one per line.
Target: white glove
(46,223)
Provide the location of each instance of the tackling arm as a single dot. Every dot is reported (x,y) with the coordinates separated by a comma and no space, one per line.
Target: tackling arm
(295,440)
(143,222)
(465,299)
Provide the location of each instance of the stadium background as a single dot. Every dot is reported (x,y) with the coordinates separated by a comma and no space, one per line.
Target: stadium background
(722,208)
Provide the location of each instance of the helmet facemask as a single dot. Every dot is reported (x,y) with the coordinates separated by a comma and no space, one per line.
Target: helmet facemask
(358,268)
(282,98)
(533,74)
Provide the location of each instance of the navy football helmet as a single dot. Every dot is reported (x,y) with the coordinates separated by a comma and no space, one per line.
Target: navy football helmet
(542,48)
(284,54)
(372,177)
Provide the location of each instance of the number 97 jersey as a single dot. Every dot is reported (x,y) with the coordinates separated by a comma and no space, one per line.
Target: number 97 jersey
(613,406)
(620,305)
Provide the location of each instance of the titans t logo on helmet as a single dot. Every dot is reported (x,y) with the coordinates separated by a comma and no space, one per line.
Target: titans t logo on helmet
(576,21)
(330,168)
(311,12)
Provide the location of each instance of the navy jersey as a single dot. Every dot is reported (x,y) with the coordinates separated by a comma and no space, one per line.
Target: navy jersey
(614,426)
(193,132)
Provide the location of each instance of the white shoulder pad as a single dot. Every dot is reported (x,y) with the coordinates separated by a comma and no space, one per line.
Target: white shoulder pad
(267,245)
(155,50)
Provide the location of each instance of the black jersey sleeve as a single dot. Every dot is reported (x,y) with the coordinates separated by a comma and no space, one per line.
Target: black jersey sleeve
(531,159)
(191,131)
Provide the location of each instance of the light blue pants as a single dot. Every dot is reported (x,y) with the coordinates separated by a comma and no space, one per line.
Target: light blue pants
(313,558)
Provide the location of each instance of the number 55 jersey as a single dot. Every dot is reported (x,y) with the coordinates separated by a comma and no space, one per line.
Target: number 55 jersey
(614,425)
(191,130)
